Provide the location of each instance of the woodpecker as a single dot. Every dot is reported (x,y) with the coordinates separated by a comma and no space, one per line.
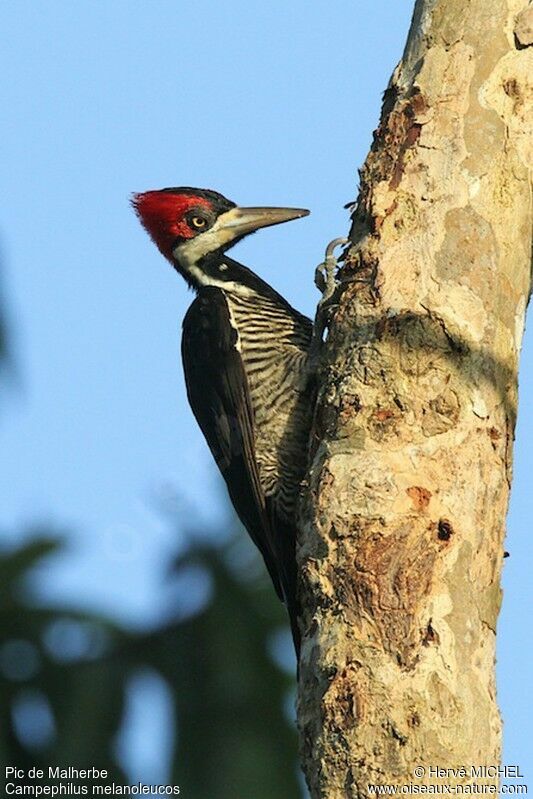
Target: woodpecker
(246,358)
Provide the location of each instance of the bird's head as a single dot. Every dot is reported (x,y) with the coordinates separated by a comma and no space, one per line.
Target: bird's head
(192,226)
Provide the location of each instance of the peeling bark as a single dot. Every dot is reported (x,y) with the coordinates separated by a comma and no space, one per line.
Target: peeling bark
(402,525)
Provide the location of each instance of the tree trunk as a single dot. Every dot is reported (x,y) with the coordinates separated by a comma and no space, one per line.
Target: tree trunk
(402,525)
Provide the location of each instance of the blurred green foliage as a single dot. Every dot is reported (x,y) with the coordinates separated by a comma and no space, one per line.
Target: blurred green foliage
(64,677)
(4,341)
(234,739)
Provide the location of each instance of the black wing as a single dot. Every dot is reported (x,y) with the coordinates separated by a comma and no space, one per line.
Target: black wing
(218,393)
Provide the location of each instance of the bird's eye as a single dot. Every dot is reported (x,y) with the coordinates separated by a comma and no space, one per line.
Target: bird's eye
(199,222)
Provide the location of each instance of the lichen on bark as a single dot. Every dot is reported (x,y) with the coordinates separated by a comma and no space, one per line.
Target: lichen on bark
(402,524)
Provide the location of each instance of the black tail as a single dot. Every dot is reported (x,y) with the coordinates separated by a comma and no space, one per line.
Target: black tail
(293,609)
(288,577)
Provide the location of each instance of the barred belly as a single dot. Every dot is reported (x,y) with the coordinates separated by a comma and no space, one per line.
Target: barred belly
(274,342)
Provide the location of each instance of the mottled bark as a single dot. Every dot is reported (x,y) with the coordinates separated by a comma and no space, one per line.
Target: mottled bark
(404,517)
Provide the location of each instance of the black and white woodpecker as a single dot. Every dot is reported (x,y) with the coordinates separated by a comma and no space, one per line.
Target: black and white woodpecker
(247,361)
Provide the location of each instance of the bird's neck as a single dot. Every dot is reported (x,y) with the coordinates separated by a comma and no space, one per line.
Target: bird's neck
(217,270)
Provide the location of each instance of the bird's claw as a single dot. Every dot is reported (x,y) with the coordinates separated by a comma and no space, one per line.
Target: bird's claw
(326,283)
(325,272)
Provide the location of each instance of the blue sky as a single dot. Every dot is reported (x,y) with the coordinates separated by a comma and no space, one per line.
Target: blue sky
(270,104)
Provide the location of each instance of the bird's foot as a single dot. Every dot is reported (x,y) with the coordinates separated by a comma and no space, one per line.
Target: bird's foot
(326,282)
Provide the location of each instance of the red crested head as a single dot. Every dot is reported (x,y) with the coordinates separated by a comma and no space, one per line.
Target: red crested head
(194,227)
(168,215)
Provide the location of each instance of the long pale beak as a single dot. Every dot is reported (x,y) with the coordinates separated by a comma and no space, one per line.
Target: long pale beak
(231,226)
(241,221)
